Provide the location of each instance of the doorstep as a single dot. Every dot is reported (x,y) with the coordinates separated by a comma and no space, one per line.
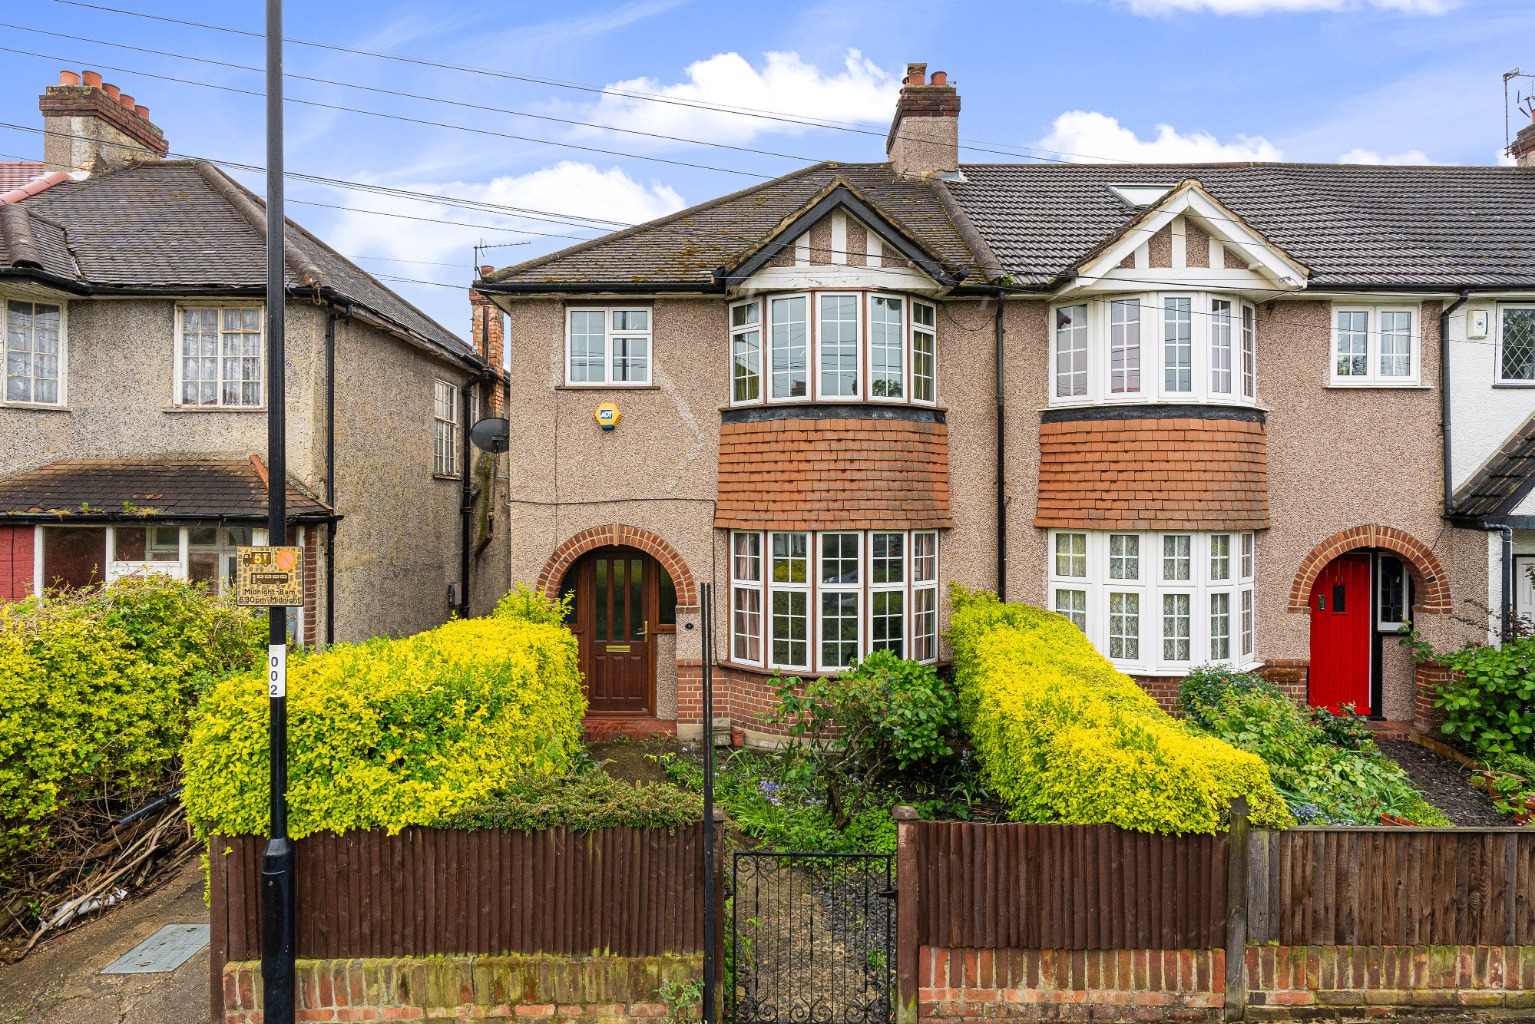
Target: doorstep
(1390,730)
(628,727)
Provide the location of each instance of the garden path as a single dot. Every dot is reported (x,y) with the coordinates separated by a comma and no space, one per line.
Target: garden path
(1444,784)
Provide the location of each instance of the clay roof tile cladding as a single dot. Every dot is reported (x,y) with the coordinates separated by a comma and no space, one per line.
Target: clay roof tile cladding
(190,488)
(17,173)
(1500,481)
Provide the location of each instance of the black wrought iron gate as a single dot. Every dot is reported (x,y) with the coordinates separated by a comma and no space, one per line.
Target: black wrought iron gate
(812,938)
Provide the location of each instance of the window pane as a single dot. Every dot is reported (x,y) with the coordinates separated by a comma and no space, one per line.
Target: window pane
(74,556)
(1124,556)
(588,346)
(887,612)
(631,319)
(1220,346)
(1353,344)
(746,354)
(1177,557)
(1124,345)
(1175,627)
(924,353)
(1071,351)
(1220,556)
(1518,361)
(666,610)
(1393,590)
(1178,345)
(839,558)
(838,342)
(746,564)
(745,315)
(791,628)
(924,626)
(1125,626)
(789,557)
(1220,627)
(1249,353)
(1247,622)
(924,557)
(1073,605)
(1071,555)
(887,561)
(1395,343)
(130,543)
(839,629)
(887,348)
(746,625)
(788,352)
(631,360)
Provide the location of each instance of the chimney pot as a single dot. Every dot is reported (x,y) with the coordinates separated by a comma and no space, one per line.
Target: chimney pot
(916,74)
(112,90)
(486,270)
(939,78)
(142,111)
(68,78)
(93,79)
(125,100)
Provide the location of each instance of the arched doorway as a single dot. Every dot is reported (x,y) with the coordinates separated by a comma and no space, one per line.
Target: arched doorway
(1359,603)
(622,600)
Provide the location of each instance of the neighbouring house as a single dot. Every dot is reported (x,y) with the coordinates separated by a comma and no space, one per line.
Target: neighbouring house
(1194,409)
(132,289)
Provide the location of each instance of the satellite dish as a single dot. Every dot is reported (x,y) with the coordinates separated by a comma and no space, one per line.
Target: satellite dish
(492,435)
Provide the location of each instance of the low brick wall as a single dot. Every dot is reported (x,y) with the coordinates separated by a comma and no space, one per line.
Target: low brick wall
(469,989)
(1284,983)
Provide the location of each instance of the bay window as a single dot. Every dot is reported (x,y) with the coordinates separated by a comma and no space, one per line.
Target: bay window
(887,348)
(607,347)
(1157,602)
(832,597)
(1374,346)
(790,334)
(1197,347)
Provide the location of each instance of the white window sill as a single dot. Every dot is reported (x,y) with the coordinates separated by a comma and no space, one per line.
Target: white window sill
(215,408)
(1377,386)
(1516,384)
(607,387)
(447,476)
(35,407)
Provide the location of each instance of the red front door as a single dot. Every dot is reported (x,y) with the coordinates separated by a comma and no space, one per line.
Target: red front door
(1340,635)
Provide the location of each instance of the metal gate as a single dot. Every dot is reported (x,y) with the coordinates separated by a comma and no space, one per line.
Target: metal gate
(812,938)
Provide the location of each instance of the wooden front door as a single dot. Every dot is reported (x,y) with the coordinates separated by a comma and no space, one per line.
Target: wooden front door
(1340,635)
(616,598)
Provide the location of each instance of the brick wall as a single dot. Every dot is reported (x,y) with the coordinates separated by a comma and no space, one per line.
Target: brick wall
(739,695)
(1163,689)
(850,474)
(1428,677)
(16,568)
(1292,678)
(468,989)
(1153,474)
(1284,983)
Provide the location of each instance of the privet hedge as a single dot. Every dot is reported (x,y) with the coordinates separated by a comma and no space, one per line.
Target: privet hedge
(392,733)
(95,691)
(1062,736)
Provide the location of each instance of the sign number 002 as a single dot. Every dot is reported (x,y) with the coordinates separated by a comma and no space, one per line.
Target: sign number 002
(277,670)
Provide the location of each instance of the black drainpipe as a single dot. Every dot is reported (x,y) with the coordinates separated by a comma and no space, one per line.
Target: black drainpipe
(1001,459)
(466,503)
(330,469)
(1444,395)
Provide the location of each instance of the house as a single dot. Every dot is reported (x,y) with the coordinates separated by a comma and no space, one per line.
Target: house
(1194,409)
(132,287)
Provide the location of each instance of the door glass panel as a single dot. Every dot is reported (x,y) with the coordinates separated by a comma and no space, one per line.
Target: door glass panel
(636,600)
(666,614)
(600,600)
(1339,596)
(620,628)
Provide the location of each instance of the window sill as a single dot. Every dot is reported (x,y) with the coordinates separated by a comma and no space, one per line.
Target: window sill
(214,408)
(1376,386)
(607,387)
(1515,385)
(447,476)
(35,407)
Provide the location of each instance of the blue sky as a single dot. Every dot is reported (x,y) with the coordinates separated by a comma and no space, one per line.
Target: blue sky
(1303,80)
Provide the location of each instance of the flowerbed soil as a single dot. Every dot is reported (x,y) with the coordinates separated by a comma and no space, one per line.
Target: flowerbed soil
(625,759)
(1445,784)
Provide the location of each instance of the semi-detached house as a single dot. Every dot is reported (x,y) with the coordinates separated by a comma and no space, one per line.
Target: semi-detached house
(1194,409)
(134,392)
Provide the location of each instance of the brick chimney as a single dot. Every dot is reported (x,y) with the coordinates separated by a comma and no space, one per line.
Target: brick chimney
(1523,148)
(488,333)
(924,137)
(92,126)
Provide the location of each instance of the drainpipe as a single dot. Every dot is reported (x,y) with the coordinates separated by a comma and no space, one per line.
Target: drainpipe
(1001,458)
(1444,396)
(466,502)
(1507,610)
(330,469)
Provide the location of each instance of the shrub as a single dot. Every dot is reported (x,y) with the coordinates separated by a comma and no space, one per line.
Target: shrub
(585,798)
(1489,702)
(1062,736)
(96,688)
(391,733)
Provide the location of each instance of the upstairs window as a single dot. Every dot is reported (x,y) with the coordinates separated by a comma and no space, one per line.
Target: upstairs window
(887,348)
(607,347)
(34,350)
(1071,351)
(746,352)
(1124,346)
(1220,346)
(1374,346)
(924,352)
(444,429)
(839,346)
(791,345)
(1516,345)
(220,362)
(1178,351)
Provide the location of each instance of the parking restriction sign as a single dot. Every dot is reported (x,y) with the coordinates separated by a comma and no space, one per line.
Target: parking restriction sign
(266,577)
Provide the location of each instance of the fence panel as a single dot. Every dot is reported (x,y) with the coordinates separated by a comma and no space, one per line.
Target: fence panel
(1024,886)
(1392,886)
(630,892)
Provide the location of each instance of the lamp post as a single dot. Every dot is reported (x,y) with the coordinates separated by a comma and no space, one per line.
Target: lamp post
(277,952)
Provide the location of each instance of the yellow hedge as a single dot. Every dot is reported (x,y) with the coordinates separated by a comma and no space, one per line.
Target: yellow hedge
(391,733)
(1062,736)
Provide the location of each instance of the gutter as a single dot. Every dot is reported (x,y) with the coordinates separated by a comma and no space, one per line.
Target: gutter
(712,287)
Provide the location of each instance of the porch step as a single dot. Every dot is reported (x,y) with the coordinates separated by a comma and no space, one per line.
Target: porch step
(1391,730)
(599,729)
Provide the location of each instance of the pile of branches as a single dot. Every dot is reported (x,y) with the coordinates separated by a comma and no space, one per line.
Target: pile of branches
(100,852)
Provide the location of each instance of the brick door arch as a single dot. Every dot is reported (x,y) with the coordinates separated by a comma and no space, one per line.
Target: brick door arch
(1433,585)
(620,535)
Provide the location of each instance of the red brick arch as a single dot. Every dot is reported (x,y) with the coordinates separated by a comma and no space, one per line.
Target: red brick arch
(627,536)
(1433,584)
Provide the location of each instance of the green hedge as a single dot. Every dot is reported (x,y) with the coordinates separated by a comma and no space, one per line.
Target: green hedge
(586,798)
(95,692)
(391,733)
(1062,736)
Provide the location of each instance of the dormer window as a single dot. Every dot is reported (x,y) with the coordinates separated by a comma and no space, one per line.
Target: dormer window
(834,346)
(1178,347)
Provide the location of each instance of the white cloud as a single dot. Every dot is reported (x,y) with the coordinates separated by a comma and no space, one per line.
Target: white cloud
(785,84)
(1094,137)
(1162,7)
(1369,156)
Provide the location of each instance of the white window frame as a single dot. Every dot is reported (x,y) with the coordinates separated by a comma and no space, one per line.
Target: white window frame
(178,377)
(1165,345)
(856,589)
(1082,333)
(860,334)
(1372,377)
(1219,324)
(1381,622)
(63,356)
(1497,362)
(609,351)
(741,584)
(738,333)
(925,584)
(904,347)
(931,333)
(179,567)
(775,587)
(1125,393)
(769,324)
(902,588)
(445,455)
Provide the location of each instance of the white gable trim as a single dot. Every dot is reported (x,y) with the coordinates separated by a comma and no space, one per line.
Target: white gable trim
(1240,244)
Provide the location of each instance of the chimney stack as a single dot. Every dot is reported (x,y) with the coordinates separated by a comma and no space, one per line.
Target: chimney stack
(488,333)
(924,137)
(90,125)
(1523,148)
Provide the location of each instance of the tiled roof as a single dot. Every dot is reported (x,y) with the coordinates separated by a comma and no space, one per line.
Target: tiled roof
(166,488)
(687,246)
(1349,224)
(1494,487)
(166,226)
(18,173)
